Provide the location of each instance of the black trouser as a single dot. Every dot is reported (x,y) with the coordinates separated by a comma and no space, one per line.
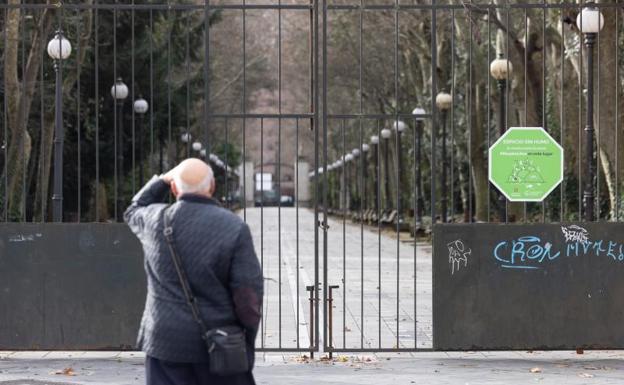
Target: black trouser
(158,372)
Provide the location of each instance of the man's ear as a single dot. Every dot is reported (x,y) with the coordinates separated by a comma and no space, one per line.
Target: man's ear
(213,186)
(174,189)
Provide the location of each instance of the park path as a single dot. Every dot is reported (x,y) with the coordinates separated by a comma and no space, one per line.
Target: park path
(383,301)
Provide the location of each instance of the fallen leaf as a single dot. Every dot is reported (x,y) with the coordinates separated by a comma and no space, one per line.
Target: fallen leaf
(66,372)
(536,370)
(343,359)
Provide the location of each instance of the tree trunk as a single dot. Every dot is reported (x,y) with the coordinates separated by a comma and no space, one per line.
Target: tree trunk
(479,166)
(19,146)
(605,117)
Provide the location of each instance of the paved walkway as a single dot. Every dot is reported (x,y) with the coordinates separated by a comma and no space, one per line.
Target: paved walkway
(484,368)
(375,305)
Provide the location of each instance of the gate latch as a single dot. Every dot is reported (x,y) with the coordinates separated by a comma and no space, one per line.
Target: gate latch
(323,225)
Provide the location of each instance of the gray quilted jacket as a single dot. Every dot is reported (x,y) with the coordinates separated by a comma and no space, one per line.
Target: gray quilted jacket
(217,252)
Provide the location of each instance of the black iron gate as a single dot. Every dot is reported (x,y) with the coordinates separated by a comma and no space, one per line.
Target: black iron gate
(339,130)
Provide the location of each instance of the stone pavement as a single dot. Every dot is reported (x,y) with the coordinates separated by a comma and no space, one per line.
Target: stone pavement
(483,368)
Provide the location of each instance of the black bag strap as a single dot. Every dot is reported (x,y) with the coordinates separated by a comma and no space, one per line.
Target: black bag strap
(186,287)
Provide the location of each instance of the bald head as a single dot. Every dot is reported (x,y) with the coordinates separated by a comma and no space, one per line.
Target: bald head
(193,176)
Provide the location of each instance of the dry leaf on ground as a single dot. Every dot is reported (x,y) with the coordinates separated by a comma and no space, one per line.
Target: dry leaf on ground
(66,372)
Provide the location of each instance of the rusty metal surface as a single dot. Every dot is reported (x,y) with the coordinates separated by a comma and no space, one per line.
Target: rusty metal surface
(70,286)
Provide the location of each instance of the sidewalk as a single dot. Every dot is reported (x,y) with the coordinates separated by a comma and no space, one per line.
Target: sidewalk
(94,368)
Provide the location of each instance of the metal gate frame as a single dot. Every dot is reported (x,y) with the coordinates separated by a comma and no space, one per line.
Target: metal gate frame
(320,119)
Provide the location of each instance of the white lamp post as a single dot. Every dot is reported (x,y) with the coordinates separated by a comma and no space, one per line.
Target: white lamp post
(419,111)
(375,143)
(140,107)
(399,126)
(385,134)
(501,69)
(119,92)
(59,49)
(444,101)
(590,22)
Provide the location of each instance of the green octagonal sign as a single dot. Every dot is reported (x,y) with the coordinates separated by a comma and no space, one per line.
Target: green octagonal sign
(526,164)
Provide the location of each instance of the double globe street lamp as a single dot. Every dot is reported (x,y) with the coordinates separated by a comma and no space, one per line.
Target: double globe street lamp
(59,49)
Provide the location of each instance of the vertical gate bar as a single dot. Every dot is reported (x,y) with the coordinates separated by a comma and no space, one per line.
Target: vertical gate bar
(415,195)
(345,187)
(311,290)
(227,159)
(580,128)
(489,106)
(363,155)
(398,158)
(6,138)
(244,110)
(469,117)
(132,103)
(206,75)
(544,122)
(526,61)
(151,100)
(279,167)
(434,92)
(78,68)
(562,119)
(297,222)
(262,218)
(5,132)
(5,143)
(378,171)
(115,112)
(316,156)
(170,145)
(361,218)
(330,325)
(617,115)
(507,86)
(42,121)
(452,181)
(96,98)
(25,118)
(597,133)
(187,63)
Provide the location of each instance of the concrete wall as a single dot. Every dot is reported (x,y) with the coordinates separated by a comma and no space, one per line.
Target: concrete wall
(70,286)
(302,183)
(247,182)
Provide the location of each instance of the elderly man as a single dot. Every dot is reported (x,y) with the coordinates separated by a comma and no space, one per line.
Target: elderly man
(216,252)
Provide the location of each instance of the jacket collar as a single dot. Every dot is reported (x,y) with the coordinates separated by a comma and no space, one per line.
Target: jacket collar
(196,198)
